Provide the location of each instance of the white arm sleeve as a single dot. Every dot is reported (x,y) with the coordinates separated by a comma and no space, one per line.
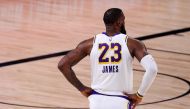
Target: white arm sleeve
(150,66)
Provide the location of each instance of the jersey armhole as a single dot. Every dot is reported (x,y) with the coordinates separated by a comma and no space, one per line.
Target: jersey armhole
(94,40)
(126,39)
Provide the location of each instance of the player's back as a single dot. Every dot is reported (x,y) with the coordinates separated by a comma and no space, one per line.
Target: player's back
(111,63)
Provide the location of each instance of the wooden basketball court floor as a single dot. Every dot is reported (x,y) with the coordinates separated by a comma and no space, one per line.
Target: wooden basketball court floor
(37,28)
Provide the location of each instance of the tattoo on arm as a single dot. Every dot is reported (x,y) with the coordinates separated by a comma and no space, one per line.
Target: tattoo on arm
(140,50)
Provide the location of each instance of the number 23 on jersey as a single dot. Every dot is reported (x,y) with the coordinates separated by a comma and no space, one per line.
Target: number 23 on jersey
(104,47)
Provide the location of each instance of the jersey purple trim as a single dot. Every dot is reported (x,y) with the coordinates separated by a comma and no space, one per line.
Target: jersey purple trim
(97,93)
(113,35)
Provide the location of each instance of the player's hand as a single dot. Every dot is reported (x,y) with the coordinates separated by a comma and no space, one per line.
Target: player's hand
(87,91)
(135,100)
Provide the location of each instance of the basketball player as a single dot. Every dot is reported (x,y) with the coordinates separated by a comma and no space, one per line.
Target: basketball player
(111,55)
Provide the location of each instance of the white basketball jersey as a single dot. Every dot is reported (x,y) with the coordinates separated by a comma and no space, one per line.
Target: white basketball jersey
(111,64)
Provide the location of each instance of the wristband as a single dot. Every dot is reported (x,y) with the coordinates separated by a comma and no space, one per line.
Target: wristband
(82,89)
(138,95)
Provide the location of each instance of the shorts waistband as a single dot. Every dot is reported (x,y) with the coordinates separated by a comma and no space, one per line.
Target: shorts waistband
(121,96)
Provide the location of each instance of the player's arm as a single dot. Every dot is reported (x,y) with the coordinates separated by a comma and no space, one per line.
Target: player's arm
(148,63)
(72,58)
(139,51)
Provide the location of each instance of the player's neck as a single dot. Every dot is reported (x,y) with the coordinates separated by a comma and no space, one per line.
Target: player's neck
(111,31)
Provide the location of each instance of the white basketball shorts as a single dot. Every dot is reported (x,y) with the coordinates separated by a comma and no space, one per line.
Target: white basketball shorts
(108,100)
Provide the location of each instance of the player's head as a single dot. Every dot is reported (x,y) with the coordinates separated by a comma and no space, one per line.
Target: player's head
(115,17)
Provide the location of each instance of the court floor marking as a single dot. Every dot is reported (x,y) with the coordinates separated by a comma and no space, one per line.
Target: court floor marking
(173,98)
(148,103)
(65,52)
(168,51)
(51,55)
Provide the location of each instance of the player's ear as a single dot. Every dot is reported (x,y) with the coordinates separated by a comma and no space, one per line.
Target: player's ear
(118,23)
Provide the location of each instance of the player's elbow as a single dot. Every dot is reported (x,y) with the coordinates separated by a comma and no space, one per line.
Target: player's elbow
(149,65)
(153,70)
(62,65)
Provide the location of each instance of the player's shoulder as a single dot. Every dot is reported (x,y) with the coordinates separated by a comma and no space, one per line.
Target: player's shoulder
(86,45)
(99,35)
(86,42)
(134,43)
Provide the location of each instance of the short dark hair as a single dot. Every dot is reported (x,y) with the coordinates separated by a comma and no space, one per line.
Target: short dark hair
(112,15)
